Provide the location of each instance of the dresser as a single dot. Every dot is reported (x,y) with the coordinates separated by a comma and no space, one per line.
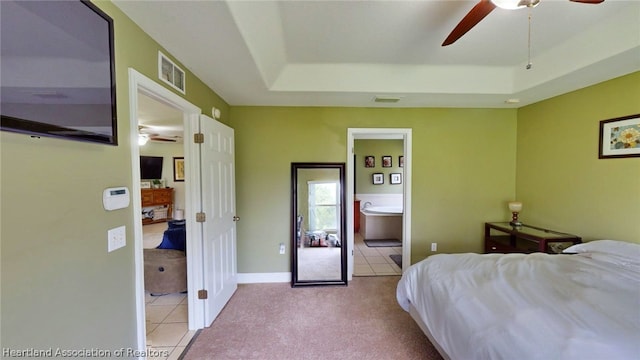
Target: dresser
(161,200)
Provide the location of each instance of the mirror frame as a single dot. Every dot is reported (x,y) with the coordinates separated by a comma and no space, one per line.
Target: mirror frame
(295,166)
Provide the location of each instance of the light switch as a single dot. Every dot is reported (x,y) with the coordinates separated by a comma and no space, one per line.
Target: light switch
(116,238)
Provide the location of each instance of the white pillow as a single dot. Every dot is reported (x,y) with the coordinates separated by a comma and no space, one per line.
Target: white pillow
(625,252)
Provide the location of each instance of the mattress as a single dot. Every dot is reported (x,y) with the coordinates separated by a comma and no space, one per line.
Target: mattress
(530,306)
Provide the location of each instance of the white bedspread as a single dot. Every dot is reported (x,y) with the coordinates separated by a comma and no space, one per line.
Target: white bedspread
(536,306)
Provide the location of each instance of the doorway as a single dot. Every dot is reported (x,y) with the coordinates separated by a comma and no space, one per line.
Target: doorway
(139,84)
(380,134)
(378,207)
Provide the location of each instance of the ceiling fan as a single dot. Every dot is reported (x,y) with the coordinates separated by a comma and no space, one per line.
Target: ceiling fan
(484,7)
(145,134)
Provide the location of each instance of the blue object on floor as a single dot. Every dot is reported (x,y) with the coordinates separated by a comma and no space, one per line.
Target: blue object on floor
(175,237)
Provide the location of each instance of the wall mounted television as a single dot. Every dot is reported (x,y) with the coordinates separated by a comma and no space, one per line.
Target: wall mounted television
(151,167)
(58,72)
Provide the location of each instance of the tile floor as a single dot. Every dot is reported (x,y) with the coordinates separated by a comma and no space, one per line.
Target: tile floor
(369,261)
(167,315)
(168,332)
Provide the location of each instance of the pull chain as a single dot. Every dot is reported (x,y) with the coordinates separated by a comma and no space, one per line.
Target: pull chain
(529,65)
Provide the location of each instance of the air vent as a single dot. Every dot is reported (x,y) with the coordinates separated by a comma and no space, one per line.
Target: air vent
(386,99)
(170,73)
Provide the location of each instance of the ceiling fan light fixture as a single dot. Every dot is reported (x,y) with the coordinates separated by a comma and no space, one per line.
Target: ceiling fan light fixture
(142,139)
(514,4)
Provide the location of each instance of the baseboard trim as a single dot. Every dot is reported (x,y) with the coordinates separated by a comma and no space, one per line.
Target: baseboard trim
(256,278)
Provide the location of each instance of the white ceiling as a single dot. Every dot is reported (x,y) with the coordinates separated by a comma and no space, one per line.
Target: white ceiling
(344,53)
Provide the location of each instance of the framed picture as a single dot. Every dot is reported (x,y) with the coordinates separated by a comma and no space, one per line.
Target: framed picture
(401,161)
(369,161)
(396,178)
(620,137)
(145,184)
(378,179)
(178,169)
(386,161)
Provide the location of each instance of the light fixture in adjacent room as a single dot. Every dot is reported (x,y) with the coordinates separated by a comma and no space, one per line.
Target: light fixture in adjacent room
(514,4)
(142,139)
(515,207)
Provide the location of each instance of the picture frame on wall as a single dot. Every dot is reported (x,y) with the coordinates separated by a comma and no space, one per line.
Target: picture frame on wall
(378,179)
(369,161)
(401,161)
(620,137)
(395,178)
(178,169)
(386,161)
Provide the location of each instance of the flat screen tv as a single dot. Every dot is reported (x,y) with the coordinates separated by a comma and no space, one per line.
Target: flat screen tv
(151,167)
(58,73)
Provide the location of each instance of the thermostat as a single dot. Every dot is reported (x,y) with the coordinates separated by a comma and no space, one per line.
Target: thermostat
(115,198)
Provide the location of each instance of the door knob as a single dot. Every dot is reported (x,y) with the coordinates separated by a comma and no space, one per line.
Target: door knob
(236,218)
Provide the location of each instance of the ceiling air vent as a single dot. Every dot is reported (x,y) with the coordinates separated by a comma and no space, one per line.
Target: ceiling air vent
(386,99)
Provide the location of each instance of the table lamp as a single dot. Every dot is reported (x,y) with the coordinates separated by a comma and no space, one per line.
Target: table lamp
(515,207)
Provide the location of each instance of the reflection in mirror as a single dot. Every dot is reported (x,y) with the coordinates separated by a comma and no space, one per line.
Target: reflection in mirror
(318,222)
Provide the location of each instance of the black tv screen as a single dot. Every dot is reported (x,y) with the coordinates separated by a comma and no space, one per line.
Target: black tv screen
(58,73)
(151,167)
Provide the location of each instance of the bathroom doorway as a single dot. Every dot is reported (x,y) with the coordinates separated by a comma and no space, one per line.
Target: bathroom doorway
(405,135)
(378,206)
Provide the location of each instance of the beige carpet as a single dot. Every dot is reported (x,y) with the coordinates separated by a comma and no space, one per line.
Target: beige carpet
(275,321)
(319,263)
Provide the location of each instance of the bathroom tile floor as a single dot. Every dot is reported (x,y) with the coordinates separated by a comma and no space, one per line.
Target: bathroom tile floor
(370,261)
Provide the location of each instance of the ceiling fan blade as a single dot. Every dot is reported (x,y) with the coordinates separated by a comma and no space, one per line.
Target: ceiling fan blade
(588,1)
(482,9)
(162,139)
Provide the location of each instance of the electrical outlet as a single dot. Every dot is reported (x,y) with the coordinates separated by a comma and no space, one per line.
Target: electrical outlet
(116,238)
(434,246)
(281,248)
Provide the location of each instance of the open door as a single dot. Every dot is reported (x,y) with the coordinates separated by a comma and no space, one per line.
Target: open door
(218,204)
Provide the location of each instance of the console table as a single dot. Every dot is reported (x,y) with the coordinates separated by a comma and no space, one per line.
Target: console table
(501,237)
(160,198)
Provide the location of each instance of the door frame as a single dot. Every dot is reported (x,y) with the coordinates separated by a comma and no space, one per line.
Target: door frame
(143,84)
(381,134)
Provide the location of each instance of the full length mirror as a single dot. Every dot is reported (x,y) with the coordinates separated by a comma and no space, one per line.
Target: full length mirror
(319,254)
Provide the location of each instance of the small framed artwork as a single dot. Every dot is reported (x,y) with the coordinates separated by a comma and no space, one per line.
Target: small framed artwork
(386,161)
(378,179)
(369,161)
(401,161)
(178,169)
(145,184)
(395,178)
(620,137)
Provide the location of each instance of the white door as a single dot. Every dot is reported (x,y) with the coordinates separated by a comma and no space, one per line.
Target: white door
(217,161)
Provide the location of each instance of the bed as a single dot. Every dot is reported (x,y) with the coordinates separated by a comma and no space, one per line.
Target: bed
(584,305)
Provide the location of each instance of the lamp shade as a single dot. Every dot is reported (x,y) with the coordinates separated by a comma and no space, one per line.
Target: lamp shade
(515,206)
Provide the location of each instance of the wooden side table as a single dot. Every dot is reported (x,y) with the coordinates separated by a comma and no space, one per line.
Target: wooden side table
(501,237)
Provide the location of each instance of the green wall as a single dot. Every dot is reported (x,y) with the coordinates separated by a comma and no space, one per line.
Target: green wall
(60,287)
(560,180)
(377,149)
(463,171)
